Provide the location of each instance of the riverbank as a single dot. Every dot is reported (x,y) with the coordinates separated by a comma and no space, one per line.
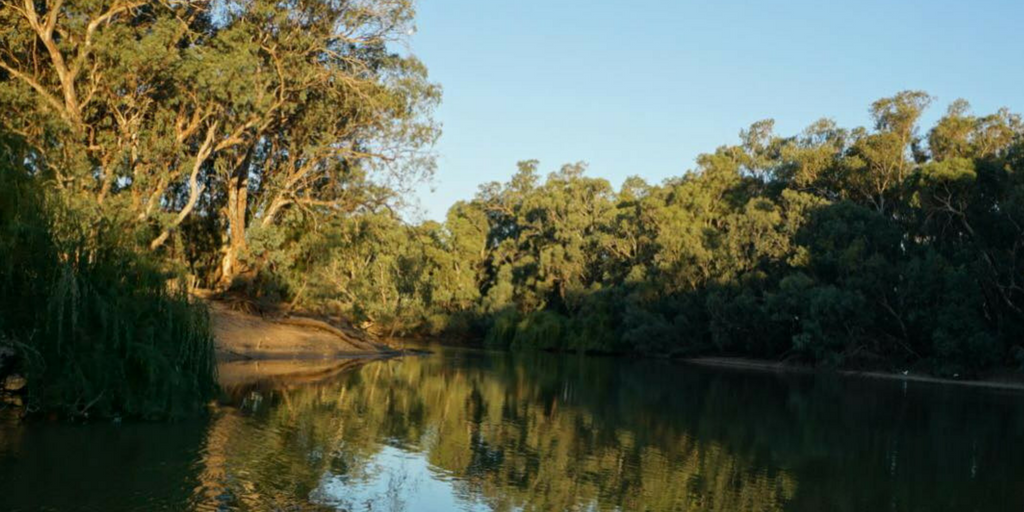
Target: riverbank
(244,336)
(1000,380)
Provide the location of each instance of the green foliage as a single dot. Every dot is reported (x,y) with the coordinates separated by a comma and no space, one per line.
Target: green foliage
(259,145)
(543,330)
(594,326)
(501,332)
(202,124)
(95,327)
(867,247)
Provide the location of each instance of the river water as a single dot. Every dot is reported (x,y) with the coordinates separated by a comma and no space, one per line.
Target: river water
(475,430)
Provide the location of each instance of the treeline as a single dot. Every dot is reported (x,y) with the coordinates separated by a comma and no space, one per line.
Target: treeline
(885,247)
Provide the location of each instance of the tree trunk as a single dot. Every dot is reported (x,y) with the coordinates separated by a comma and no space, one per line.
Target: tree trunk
(235,243)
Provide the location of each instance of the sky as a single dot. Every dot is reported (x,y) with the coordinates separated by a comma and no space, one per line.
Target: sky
(641,87)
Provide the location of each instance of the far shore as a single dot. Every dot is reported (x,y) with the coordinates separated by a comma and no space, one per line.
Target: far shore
(248,337)
(1006,380)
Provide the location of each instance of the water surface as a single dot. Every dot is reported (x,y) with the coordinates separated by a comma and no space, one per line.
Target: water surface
(473,430)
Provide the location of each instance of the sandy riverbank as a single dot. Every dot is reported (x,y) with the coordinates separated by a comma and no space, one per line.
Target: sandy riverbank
(243,336)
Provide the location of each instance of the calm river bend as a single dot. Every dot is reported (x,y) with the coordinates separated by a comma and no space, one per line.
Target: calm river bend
(475,430)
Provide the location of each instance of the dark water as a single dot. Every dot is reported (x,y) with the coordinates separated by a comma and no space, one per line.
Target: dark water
(465,430)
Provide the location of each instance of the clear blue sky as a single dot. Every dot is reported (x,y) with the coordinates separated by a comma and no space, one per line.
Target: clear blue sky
(644,86)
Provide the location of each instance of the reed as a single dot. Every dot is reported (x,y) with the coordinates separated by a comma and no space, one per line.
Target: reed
(96,329)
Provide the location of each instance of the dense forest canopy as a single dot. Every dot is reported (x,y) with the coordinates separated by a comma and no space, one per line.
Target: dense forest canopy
(888,246)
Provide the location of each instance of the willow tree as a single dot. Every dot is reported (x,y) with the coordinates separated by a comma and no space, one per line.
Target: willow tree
(153,112)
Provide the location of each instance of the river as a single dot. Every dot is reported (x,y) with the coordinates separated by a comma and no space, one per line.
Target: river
(474,430)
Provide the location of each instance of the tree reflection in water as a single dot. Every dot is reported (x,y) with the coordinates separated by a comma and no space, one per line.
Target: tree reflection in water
(492,431)
(543,432)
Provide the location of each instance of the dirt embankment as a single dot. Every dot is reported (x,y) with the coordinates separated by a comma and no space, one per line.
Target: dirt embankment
(241,336)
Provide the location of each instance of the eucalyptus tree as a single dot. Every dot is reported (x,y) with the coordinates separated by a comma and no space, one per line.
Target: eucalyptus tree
(878,163)
(154,112)
(884,246)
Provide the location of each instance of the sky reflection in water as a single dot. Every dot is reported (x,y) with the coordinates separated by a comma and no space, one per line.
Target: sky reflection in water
(471,430)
